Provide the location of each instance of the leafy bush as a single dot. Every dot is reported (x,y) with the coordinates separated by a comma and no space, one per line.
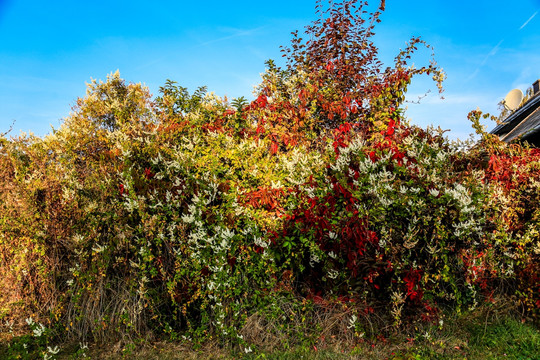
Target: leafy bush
(195,217)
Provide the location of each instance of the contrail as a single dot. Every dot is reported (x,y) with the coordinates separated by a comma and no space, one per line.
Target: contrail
(526,22)
(492,52)
(496,48)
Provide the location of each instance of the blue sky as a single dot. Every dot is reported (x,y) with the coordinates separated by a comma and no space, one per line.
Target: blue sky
(49,50)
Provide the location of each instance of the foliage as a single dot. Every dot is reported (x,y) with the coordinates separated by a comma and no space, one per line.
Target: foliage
(388,219)
(335,77)
(36,344)
(190,217)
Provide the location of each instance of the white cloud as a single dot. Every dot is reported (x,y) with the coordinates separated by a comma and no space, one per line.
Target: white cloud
(235,34)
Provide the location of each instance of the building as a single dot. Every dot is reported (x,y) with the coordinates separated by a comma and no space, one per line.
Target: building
(523,124)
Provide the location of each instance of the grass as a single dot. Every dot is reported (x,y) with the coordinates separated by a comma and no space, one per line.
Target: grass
(486,333)
(478,336)
(507,338)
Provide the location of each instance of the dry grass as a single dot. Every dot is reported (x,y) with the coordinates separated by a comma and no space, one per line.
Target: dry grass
(151,351)
(108,313)
(323,332)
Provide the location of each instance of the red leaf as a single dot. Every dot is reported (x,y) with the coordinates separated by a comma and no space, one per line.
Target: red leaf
(273,148)
(391,128)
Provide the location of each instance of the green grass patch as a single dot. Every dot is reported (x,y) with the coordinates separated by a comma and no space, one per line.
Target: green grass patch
(477,337)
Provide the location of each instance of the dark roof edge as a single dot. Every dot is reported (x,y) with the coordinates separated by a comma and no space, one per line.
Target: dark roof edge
(517,116)
(532,132)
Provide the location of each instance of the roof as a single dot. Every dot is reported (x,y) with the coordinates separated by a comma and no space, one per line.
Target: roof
(523,124)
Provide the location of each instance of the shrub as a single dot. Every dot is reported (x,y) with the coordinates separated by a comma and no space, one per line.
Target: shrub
(195,217)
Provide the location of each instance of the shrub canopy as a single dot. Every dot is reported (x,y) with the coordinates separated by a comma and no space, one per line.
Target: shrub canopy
(190,215)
